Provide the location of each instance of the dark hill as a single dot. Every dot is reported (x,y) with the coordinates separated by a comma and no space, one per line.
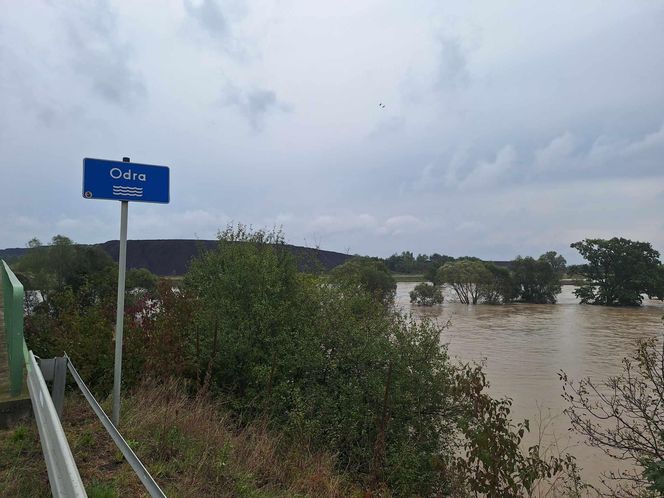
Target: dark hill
(171,257)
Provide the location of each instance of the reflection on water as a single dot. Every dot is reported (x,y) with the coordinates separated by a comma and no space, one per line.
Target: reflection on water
(526,345)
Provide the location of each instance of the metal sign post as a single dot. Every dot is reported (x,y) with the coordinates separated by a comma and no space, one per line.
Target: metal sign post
(124,182)
(119,313)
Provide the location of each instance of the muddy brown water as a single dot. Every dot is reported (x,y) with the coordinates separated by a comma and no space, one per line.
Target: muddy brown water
(525,346)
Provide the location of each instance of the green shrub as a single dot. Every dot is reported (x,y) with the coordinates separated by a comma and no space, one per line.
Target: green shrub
(425,294)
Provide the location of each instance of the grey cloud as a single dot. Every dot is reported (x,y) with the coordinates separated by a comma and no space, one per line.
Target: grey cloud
(209,17)
(21,79)
(389,125)
(603,157)
(487,174)
(466,173)
(214,23)
(255,104)
(452,64)
(543,142)
(100,54)
(556,153)
(563,158)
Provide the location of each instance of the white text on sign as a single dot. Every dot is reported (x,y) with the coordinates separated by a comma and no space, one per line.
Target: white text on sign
(117,173)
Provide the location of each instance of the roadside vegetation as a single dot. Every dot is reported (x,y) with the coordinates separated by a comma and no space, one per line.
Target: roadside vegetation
(265,381)
(326,367)
(192,445)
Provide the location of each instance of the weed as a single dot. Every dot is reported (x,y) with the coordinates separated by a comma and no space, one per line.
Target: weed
(102,490)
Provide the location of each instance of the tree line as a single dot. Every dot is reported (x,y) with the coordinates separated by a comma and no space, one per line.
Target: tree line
(617,272)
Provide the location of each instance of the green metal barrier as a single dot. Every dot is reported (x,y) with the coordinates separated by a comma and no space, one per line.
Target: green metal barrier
(14,297)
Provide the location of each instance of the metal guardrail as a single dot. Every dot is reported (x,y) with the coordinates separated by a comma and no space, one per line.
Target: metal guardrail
(150,484)
(63,474)
(14,297)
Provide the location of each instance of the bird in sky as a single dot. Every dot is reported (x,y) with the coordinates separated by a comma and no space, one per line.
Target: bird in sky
(381,105)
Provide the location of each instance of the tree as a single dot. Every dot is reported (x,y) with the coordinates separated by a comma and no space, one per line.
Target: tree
(435,262)
(618,272)
(369,274)
(538,280)
(425,294)
(500,287)
(557,262)
(61,264)
(624,416)
(141,278)
(244,289)
(401,263)
(466,277)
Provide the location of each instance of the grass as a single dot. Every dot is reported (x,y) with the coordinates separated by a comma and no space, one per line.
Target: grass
(22,468)
(191,446)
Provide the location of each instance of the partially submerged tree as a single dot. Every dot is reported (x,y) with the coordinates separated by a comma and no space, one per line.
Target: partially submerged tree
(538,280)
(466,277)
(425,294)
(500,286)
(619,271)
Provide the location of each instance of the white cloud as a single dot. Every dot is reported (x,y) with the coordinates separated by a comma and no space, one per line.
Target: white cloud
(196,223)
(488,173)
(650,142)
(344,222)
(401,224)
(556,154)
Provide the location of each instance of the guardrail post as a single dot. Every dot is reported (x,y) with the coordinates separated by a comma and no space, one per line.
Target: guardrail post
(55,370)
(63,474)
(59,381)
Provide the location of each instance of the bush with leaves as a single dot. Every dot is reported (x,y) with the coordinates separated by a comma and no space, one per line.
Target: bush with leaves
(369,274)
(425,294)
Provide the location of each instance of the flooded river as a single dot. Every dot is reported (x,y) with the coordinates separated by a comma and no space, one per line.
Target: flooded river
(526,345)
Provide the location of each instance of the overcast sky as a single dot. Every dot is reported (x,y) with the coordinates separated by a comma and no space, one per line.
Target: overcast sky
(507,128)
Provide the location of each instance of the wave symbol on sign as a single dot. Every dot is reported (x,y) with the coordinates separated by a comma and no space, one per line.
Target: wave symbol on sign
(127,191)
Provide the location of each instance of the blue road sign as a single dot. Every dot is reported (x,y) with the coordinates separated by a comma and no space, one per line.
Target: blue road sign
(120,181)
